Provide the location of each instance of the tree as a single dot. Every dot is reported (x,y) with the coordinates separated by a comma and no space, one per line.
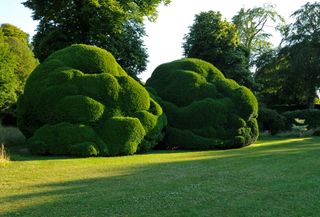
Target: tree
(8,82)
(16,63)
(216,40)
(103,23)
(251,24)
(12,31)
(274,83)
(303,49)
(291,74)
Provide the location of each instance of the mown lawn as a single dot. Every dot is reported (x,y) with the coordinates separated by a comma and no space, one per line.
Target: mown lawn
(274,177)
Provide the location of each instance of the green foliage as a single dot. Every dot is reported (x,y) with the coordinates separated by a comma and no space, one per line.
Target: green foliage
(271,120)
(82,97)
(306,25)
(11,136)
(16,63)
(8,80)
(66,139)
(251,24)
(122,135)
(270,77)
(83,149)
(12,31)
(279,81)
(290,74)
(79,109)
(204,109)
(217,41)
(311,117)
(302,49)
(301,76)
(299,129)
(114,25)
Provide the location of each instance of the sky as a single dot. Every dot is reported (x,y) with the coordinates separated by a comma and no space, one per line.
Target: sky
(165,36)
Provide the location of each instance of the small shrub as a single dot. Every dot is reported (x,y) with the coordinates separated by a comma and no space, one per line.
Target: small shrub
(311,117)
(270,120)
(294,133)
(11,136)
(299,129)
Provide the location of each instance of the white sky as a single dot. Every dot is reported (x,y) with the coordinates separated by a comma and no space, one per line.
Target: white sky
(165,36)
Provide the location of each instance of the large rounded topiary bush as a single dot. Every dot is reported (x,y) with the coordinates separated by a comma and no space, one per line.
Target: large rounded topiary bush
(204,109)
(80,102)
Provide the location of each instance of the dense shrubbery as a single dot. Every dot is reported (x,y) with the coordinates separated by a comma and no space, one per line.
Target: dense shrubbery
(80,102)
(204,109)
(271,121)
(311,117)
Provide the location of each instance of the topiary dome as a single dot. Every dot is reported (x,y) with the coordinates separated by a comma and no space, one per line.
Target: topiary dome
(80,102)
(205,110)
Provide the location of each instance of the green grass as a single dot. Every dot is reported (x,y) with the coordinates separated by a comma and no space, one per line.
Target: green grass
(274,177)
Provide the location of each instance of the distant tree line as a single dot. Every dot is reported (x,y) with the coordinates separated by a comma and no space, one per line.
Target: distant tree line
(286,74)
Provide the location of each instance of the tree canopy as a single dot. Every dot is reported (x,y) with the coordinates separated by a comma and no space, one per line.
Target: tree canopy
(114,25)
(251,24)
(303,49)
(16,63)
(290,75)
(8,82)
(213,39)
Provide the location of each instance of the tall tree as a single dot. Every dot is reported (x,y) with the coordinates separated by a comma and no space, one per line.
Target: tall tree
(16,63)
(8,82)
(274,83)
(115,25)
(291,75)
(303,49)
(12,31)
(252,25)
(217,41)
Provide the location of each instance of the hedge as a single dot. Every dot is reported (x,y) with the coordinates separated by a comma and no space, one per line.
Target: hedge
(80,102)
(205,110)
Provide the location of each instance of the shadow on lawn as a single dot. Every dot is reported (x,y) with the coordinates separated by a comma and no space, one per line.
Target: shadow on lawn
(21,153)
(266,180)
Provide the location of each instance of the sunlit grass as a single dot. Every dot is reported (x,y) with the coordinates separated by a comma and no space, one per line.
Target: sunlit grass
(274,177)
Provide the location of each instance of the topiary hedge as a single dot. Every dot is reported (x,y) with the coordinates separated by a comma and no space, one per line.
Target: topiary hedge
(80,102)
(205,110)
(271,120)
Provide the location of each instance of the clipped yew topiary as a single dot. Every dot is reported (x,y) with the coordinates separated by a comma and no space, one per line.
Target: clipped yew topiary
(80,102)
(205,110)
